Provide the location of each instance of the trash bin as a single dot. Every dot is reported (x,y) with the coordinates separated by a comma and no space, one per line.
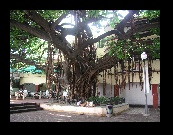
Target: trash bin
(123,100)
(109,109)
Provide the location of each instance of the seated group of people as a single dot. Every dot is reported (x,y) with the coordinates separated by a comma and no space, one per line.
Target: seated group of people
(85,104)
(82,102)
(76,99)
(21,94)
(37,95)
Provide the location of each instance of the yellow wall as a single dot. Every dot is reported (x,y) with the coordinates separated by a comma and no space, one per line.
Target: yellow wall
(32,78)
(155,75)
(40,78)
(154,80)
(100,52)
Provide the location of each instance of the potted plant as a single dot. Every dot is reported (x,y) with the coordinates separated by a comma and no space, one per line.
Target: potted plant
(103,101)
(115,100)
(119,100)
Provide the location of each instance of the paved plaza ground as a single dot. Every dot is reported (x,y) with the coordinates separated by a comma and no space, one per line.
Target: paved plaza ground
(131,115)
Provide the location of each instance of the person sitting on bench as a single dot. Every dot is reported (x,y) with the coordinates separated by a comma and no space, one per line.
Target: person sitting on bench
(20,94)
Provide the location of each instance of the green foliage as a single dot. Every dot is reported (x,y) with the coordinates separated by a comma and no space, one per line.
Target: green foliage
(106,15)
(43,87)
(17,15)
(51,15)
(119,48)
(24,44)
(105,100)
(27,46)
(115,20)
(93,13)
(33,48)
(155,31)
(150,14)
(124,49)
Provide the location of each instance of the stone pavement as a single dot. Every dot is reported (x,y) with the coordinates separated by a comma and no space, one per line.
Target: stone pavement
(131,115)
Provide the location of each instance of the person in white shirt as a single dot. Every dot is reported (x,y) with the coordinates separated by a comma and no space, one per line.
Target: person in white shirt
(20,90)
(47,93)
(20,94)
(25,91)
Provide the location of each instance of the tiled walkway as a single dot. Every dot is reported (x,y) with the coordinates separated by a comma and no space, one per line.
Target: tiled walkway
(131,115)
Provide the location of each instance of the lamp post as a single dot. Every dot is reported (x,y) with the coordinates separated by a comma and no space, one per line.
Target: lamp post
(143,57)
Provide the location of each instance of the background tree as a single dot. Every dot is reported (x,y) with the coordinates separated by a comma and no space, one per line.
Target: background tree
(36,32)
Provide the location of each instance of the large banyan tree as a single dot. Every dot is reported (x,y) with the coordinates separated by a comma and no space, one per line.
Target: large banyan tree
(34,32)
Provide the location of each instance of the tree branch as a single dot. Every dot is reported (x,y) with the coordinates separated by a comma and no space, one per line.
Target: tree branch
(57,40)
(122,24)
(21,59)
(116,32)
(61,43)
(38,19)
(34,31)
(141,28)
(85,27)
(95,40)
(59,20)
(26,61)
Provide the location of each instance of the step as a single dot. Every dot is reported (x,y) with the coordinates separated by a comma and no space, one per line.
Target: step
(15,104)
(30,103)
(32,109)
(31,106)
(24,107)
(14,111)
(19,107)
(23,110)
(40,108)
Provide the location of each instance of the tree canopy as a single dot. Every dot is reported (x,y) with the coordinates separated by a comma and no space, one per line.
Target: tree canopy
(30,31)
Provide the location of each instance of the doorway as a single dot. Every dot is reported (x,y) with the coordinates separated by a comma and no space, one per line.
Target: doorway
(155,95)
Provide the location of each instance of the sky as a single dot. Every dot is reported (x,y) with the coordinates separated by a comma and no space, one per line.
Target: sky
(94,30)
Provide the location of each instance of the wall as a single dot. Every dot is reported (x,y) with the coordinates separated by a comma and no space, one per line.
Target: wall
(156,75)
(100,52)
(32,78)
(15,89)
(109,93)
(132,96)
(154,80)
(135,95)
